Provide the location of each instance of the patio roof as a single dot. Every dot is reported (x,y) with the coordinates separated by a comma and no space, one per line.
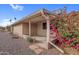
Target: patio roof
(33,15)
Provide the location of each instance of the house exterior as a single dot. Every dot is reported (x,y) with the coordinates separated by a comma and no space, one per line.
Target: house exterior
(35,25)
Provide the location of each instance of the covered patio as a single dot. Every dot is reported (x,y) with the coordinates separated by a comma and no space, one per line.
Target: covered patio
(36,26)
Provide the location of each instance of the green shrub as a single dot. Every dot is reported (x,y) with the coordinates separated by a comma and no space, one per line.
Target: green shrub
(78,36)
(74,42)
(29,39)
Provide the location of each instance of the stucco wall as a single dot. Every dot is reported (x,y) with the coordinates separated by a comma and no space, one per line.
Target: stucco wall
(40,30)
(34,29)
(25,29)
(17,29)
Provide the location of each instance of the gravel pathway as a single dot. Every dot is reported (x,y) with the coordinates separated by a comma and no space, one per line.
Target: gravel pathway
(11,46)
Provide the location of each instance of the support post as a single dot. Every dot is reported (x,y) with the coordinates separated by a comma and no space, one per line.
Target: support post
(48,30)
(29,28)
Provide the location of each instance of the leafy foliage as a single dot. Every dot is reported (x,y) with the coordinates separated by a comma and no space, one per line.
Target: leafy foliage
(29,39)
(68,28)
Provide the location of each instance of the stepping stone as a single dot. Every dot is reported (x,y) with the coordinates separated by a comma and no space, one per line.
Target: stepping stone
(36,48)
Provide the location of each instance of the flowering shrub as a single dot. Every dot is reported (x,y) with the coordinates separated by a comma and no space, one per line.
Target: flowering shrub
(65,28)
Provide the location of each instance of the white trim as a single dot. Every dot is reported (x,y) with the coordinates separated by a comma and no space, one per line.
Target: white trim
(29,28)
(48,30)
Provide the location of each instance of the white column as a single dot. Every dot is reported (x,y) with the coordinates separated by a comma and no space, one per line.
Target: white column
(29,28)
(48,30)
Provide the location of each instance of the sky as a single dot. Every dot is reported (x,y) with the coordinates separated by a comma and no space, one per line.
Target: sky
(9,11)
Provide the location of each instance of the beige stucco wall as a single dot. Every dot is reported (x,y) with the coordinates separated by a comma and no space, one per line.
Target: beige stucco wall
(17,29)
(40,30)
(25,28)
(34,29)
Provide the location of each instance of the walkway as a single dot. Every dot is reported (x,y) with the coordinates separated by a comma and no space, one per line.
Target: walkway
(11,46)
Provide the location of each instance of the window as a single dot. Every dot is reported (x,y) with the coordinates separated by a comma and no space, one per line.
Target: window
(44,26)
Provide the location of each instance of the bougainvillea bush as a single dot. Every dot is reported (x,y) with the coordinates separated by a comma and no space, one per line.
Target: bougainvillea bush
(68,28)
